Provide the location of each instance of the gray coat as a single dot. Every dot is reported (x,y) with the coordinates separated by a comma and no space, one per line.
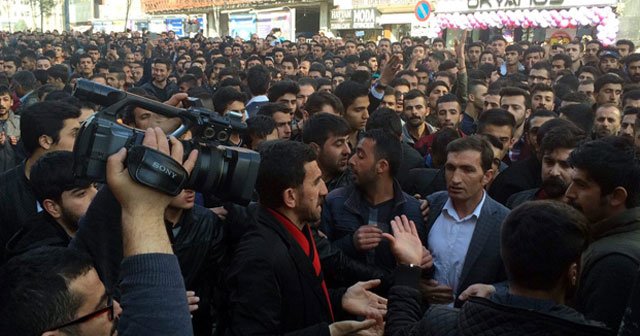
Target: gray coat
(483,263)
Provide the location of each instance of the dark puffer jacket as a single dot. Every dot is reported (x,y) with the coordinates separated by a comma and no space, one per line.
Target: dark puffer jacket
(502,314)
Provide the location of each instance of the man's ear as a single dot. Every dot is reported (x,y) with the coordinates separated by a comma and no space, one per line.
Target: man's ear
(383,165)
(289,198)
(45,141)
(315,147)
(618,197)
(51,333)
(52,208)
(487,177)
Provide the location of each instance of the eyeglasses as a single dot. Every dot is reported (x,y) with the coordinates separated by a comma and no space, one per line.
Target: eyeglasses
(90,316)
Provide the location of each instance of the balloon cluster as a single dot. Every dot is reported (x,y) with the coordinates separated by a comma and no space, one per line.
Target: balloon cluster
(603,17)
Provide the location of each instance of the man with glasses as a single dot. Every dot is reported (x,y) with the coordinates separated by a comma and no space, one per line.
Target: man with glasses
(57,291)
(540,73)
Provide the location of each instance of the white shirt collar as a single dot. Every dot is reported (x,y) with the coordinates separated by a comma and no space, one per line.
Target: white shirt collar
(258,99)
(451,211)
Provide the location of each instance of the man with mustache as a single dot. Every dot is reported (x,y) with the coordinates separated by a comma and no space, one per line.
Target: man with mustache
(355,217)
(415,113)
(632,63)
(328,135)
(606,188)
(556,172)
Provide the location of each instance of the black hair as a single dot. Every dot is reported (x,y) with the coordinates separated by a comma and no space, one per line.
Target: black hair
(631,58)
(288,159)
(611,162)
(281,88)
(607,79)
(164,61)
(4,90)
(592,70)
(543,65)
(632,95)
(52,174)
(413,94)
(514,47)
(514,92)
(438,56)
(566,59)
(398,82)
(496,117)
(563,135)
(449,75)
(387,147)
(304,81)
(441,140)
(320,126)
(582,115)
(628,43)
(45,90)
(59,71)
(258,126)
(290,59)
(541,87)
(260,79)
(539,242)
(269,109)
(26,80)
(317,100)
(447,98)
(474,143)
(44,273)
(386,119)
(569,80)
(576,97)
(348,91)
(44,118)
(433,85)
(189,79)
(225,96)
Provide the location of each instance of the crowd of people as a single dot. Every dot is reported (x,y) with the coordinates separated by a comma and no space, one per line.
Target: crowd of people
(404,188)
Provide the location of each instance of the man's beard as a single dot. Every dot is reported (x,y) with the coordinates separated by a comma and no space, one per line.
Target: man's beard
(554,187)
(310,215)
(70,220)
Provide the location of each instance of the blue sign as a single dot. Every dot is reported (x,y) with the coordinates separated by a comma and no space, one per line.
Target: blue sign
(175,24)
(423,11)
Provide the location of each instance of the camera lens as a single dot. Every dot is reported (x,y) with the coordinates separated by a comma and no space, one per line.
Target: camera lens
(229,173)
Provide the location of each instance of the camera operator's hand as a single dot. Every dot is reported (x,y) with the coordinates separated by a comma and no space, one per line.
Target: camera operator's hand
(176,99)
(143,208)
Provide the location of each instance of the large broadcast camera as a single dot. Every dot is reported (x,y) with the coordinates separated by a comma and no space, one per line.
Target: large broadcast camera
(228,173)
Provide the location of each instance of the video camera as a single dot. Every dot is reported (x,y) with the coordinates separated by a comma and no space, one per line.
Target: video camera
(229,173)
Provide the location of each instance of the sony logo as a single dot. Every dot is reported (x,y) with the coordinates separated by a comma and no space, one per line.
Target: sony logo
(164,169)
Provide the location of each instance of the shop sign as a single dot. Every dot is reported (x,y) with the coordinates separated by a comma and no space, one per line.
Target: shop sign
(365,18)
(341,18)
(358,18)
(454,6)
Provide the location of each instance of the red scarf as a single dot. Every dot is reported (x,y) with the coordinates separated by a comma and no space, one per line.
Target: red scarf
(303,241)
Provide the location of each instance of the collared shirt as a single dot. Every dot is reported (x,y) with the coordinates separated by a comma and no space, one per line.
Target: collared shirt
(449,241)
(516,150)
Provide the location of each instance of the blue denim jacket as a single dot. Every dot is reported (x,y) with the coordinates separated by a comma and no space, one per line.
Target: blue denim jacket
(345,210)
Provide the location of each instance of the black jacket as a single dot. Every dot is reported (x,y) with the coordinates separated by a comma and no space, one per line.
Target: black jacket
(162,94)
(272,286)
(40,230)
(411,159)
(609,267)
(502,314)
(521,175)
(17,204)
(199,246)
